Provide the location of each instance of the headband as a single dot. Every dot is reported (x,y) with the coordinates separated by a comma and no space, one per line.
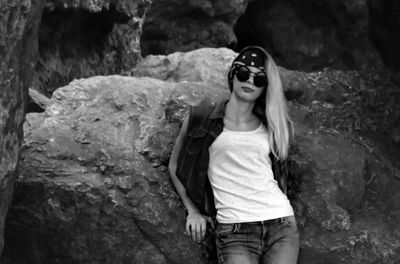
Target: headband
(251,57)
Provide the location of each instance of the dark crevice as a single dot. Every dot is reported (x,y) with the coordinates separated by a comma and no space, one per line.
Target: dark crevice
(32,107)
(76,43)
(73,32)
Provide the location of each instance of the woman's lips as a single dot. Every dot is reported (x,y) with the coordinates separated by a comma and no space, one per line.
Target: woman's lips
(247,89)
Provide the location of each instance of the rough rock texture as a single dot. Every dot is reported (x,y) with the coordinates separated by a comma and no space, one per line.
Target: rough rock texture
(18,28)
(101,149)
(384,22)
(87,38)
(345,121)
(311,34)
(94,176)
(202,65)
(93,186)
(186,25)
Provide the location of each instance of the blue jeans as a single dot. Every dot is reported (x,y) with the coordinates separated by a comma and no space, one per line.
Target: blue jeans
(273,241)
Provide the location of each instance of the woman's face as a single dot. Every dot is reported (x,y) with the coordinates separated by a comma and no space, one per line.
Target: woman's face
(243,84)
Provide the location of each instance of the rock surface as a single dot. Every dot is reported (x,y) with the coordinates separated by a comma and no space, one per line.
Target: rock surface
(357,201)
(86,38)
(95,163)
(93,186)
(187,25)
(202,65)
(18,26)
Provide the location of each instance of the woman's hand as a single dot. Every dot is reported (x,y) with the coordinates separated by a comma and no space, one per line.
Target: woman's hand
(196,225)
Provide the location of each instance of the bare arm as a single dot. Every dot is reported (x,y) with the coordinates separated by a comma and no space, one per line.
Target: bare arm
(172,168)
(196,223)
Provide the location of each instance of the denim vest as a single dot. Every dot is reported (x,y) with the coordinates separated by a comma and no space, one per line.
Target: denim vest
(205,124)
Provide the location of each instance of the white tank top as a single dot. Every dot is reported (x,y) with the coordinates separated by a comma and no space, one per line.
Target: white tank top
(242,180)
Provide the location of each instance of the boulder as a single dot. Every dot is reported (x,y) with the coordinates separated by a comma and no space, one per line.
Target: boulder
(344,167)
(94,187)
(95,170)
(18,26)
(86,38)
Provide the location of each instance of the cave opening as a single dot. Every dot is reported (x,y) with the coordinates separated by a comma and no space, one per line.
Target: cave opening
(71,42)
(72,33)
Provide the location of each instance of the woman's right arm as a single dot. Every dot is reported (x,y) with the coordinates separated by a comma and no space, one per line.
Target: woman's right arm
(196,223)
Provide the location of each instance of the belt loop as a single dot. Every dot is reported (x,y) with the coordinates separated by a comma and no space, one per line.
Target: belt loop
(236,227)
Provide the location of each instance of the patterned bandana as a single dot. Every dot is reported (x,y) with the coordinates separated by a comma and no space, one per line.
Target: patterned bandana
(251,57)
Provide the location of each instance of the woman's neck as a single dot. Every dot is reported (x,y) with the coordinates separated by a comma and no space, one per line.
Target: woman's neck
(239,111)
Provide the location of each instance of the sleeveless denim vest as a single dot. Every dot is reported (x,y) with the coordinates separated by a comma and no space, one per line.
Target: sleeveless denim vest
(205,124)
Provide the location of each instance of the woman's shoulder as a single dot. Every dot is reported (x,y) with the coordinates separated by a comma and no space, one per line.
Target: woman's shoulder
(208,107)
(202,107)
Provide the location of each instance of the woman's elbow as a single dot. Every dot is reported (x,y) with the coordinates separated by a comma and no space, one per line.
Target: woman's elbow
(172,168)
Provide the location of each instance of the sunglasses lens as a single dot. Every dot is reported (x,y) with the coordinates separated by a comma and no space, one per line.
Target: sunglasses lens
(260,80)
(242,74)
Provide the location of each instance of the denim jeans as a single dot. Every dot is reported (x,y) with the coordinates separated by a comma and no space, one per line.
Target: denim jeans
(273,241)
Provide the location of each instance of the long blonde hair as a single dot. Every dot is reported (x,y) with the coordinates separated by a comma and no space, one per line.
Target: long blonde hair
(273,103)
(277,112)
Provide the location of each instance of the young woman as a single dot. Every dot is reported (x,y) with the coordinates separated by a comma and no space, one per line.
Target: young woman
(229,163)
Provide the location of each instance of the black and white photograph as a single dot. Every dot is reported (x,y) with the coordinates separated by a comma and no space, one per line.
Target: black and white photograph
(199,131)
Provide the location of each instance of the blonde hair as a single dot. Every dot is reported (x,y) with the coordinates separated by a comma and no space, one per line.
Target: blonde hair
(280,126)
(276,112)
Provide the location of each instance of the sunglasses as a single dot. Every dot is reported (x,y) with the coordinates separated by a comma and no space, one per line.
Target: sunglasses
(243,74)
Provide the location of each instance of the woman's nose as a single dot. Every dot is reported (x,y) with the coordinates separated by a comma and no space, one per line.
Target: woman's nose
(251,78)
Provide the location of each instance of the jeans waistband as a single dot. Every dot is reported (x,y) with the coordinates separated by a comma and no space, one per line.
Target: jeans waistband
(256,223)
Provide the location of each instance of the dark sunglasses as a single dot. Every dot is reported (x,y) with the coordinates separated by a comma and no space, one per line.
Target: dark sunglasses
(243,74)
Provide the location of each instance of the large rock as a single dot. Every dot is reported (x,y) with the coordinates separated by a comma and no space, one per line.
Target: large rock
(94,177)
(93,186)
(110,199)
(87,38)
(18,31)
(187,25)
(345,167)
